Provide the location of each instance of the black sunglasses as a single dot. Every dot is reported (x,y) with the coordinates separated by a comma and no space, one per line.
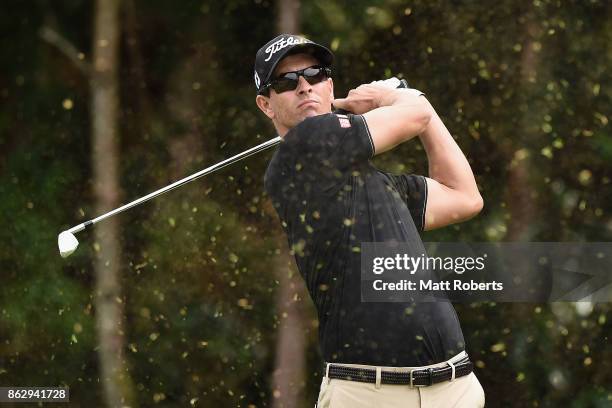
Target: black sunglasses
(288,81)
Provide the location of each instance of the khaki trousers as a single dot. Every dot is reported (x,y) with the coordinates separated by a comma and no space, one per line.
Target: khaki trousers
(463,392)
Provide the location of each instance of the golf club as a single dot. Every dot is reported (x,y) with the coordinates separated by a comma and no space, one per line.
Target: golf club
(67,242)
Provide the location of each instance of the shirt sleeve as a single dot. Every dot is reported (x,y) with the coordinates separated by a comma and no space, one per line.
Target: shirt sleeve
(331,142)
(412,189)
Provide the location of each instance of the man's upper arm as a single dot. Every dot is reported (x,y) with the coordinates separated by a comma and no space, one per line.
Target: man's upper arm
(394,124)
(446,206)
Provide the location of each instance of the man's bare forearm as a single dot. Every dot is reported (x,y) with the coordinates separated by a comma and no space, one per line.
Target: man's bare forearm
(447,163)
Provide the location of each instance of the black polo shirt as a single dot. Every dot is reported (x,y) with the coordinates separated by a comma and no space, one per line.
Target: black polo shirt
(330,198)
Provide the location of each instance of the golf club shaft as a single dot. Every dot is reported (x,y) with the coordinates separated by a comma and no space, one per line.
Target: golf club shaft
(208,170)
(272,142)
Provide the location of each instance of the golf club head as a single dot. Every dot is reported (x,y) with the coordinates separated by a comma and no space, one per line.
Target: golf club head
(67,243)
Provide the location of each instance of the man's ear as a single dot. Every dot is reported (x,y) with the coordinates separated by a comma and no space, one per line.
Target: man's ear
(263,103)
(331,82)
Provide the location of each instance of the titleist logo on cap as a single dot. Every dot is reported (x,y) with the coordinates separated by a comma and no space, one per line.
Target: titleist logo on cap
(282,43)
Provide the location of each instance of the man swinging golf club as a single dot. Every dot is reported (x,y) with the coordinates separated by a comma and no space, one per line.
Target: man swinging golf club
(330,199)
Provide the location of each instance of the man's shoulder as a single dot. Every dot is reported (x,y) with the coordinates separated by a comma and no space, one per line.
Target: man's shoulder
(274,170)
(335,122)
(312,121)
(335,118)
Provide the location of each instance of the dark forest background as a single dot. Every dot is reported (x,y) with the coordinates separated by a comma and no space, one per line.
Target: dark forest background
(193,299)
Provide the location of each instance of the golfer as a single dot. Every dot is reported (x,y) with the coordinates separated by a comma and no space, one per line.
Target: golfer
(330,199)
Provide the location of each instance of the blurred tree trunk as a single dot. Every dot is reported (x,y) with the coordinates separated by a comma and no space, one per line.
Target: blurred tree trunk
(137,83)
(288,380)
(288,16)
(521,195)
(116,381)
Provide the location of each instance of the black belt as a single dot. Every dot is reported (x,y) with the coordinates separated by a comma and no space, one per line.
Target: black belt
(415,378)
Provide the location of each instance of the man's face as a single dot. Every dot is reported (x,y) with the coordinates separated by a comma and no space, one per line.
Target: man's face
(287,109)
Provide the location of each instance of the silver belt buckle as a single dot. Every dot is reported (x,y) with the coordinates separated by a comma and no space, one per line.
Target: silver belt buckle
(429,371)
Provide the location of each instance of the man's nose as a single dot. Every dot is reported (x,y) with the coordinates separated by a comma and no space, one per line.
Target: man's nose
(303,85)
